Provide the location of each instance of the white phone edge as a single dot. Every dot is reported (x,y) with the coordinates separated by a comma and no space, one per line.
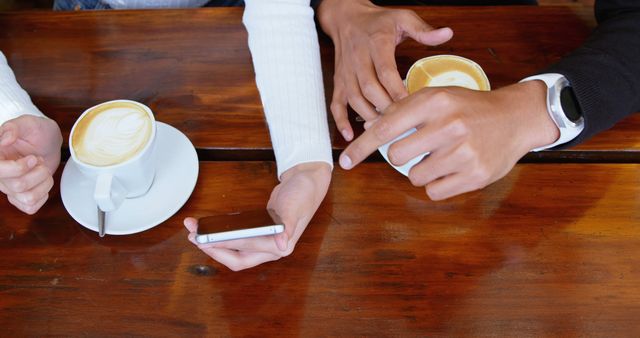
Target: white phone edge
(239,234)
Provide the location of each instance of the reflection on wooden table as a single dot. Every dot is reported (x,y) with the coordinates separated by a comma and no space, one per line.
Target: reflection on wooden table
(546,251)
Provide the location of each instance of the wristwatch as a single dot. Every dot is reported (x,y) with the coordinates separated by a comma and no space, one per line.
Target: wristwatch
(562,106)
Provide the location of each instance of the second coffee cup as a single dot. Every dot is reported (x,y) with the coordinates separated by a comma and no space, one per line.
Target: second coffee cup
(438,71)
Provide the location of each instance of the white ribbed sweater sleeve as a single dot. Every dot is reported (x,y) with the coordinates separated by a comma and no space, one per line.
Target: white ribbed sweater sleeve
(286,58)
(14,101)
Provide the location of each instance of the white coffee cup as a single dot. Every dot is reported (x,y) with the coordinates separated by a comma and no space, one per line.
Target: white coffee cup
(115,147)
(449,70)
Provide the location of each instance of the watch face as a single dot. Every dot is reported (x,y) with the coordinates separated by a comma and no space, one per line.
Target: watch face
(570,104)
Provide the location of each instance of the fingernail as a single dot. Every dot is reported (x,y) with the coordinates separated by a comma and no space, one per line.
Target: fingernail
(447,29)
(25,201)
(345,162)
(346,134)
(32,161)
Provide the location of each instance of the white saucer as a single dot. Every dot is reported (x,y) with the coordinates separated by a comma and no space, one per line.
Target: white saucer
(176,176)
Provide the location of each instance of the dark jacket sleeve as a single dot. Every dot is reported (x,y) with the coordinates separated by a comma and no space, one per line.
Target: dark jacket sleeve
(605,71)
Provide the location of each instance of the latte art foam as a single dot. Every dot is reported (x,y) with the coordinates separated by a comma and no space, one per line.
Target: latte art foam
(446,71)
(453,78)
(111,134)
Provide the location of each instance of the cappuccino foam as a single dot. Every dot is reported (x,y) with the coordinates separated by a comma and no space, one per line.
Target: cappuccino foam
(454,78)
(446,70)
(112,133)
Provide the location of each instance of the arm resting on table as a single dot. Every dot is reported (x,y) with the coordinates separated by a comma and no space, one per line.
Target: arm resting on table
(605,71)
(286,57)
(14,101)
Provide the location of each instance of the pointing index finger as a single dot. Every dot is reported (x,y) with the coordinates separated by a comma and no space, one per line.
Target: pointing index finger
(397,119)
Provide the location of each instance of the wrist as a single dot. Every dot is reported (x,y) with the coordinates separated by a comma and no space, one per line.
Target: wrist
(331,13)
(535,126)
(317,169)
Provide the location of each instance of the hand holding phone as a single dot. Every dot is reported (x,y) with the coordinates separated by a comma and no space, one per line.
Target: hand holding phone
(237,225)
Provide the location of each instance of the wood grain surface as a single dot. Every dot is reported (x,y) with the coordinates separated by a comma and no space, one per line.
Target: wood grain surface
(193,67)
(551,250)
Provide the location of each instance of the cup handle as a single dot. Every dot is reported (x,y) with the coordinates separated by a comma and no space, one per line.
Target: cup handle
(109,192)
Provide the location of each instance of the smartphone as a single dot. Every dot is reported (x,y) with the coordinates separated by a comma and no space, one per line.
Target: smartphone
(237,225)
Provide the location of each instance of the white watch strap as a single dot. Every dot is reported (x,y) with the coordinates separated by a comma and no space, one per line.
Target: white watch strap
(568,129)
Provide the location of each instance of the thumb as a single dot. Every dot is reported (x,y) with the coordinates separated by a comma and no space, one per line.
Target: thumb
(191,224)
(8,134)
(414,27)
(282,239)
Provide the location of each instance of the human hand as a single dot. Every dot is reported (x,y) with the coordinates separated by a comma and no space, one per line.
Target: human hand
(29,156)
(293,203)
(365,37)
(474,138)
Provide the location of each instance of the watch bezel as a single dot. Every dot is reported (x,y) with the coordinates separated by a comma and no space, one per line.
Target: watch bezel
(569,129)
(555,105)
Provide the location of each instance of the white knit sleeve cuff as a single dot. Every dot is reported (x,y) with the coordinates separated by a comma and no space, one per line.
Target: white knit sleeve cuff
(14,101)
(286,57)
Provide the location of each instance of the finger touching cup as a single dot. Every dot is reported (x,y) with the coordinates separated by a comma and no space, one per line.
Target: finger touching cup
(438,71)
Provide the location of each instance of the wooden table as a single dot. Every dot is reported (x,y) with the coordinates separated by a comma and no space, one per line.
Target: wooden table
(193,68)
(542,252)
(550,250)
